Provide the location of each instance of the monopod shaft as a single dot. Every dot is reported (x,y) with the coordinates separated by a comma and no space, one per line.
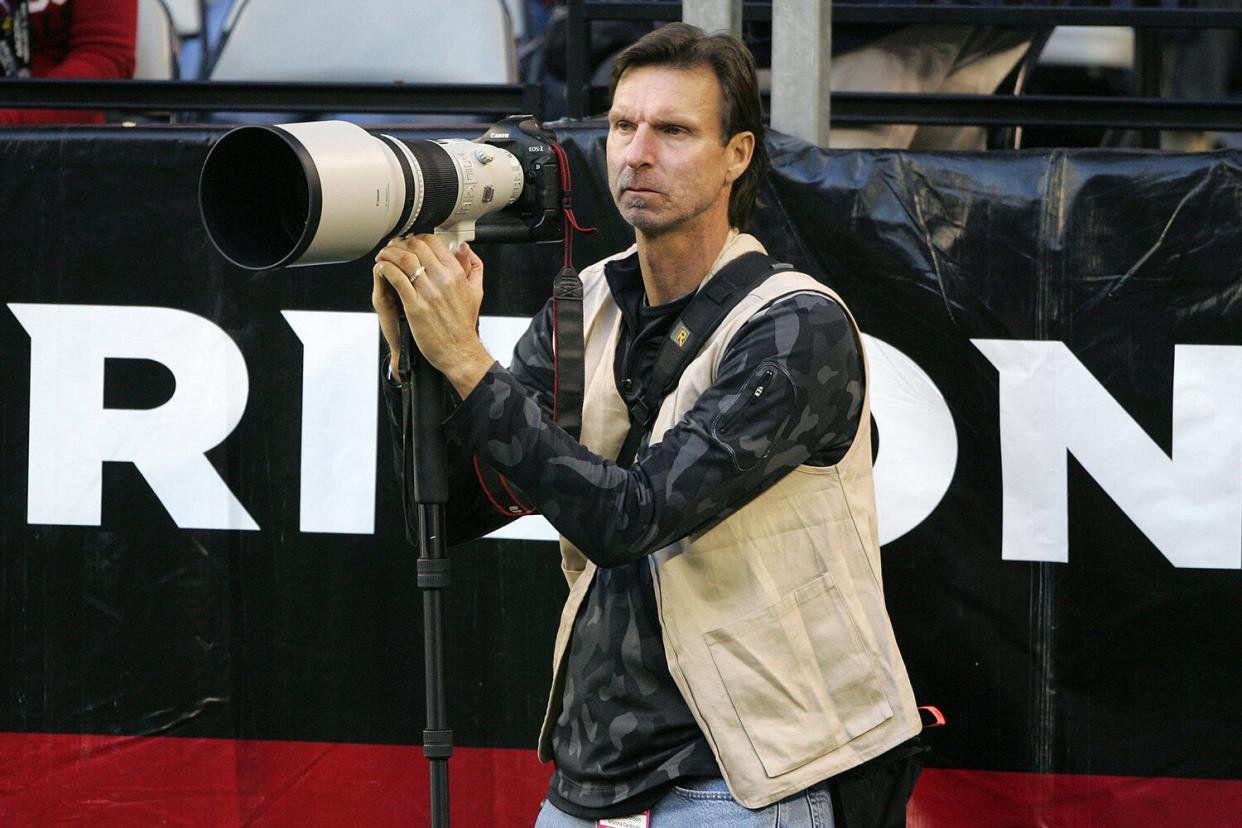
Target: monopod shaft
(433,579)
(426,492)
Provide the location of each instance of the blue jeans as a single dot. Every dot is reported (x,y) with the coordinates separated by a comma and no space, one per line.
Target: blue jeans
(695,804)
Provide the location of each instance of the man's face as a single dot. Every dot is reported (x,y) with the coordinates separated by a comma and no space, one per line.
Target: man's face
(667,165)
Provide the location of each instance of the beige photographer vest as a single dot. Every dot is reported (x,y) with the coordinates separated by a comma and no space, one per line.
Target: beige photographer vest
(773,621)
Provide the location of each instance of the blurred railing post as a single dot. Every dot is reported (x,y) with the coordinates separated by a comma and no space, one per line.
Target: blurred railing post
(714,15)
(1148,55)
(578,61)
(801,68)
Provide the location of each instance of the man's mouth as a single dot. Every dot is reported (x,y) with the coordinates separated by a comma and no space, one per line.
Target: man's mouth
(627,184)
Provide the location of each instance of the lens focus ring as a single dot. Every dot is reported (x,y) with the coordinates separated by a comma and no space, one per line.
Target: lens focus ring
(440,184)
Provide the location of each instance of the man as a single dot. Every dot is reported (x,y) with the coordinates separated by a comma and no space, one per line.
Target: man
(724,649)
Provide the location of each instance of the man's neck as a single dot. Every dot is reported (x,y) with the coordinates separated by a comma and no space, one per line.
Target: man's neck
(674,264)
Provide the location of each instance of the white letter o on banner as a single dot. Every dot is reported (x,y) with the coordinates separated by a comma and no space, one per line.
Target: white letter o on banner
(918,441)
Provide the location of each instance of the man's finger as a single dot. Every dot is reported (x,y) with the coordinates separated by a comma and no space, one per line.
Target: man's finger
(471,263)
(396,277)
(386,306)
(436,246)
(405,260)
(462,255)
(427,255)
(386,303)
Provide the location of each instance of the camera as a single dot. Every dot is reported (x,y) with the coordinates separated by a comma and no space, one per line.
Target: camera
(330,191)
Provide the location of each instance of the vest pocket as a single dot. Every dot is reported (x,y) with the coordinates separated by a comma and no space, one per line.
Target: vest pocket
(799,676)
(573,562)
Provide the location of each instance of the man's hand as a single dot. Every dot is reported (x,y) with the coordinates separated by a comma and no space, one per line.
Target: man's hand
(440,294)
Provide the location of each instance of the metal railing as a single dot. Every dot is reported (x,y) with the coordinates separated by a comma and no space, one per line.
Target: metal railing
(247,96)
(1146,111)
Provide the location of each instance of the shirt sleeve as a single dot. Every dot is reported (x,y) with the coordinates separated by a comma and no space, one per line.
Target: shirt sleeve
(788,391)
(102,37)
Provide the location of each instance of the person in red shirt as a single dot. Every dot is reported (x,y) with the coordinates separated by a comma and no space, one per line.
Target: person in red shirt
(71,39)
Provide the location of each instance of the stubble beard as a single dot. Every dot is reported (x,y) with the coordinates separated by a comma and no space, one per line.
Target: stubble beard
(635,211)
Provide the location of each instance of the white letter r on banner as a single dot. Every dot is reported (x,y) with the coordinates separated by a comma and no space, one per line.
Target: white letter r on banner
(72,434)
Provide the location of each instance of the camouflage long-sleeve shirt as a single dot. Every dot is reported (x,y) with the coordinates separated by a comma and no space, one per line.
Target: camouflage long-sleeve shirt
(625,733)
(731,446)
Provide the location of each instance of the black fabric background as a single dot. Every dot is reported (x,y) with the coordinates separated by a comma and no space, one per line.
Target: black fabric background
(1114,663)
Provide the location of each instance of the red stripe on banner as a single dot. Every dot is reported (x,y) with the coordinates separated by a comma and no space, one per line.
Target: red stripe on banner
(993,799)
(119,781)
(122,781)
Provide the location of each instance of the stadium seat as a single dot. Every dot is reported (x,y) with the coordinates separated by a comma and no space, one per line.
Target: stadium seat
(1100,47)
(376,41)
(517,18)
(187,16)
(156,45)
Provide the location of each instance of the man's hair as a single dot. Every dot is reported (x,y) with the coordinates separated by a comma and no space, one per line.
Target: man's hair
(682,46)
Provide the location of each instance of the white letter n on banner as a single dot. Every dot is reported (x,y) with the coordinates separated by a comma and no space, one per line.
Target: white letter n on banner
(1189,505)
(72,434)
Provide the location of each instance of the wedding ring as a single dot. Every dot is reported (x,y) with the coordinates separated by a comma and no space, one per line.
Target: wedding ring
(418,272)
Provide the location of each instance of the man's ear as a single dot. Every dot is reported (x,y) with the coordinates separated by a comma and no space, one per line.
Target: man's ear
(739,150)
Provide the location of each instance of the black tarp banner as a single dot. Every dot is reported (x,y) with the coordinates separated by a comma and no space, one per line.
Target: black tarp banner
(209,614)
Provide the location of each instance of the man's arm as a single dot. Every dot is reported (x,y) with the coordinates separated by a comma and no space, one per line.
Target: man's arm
(789,390)
(472,510)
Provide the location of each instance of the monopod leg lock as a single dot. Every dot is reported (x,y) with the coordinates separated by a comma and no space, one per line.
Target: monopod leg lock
(433,573)
(437,744)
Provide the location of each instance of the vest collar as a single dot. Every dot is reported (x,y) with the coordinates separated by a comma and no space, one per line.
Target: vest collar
(624,274)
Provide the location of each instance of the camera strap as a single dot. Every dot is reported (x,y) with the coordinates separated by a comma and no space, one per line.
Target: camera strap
(567,332)
(698,321)
(569,372)
(568,386)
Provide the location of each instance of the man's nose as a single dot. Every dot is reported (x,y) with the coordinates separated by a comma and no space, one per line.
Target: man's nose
(640,150)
